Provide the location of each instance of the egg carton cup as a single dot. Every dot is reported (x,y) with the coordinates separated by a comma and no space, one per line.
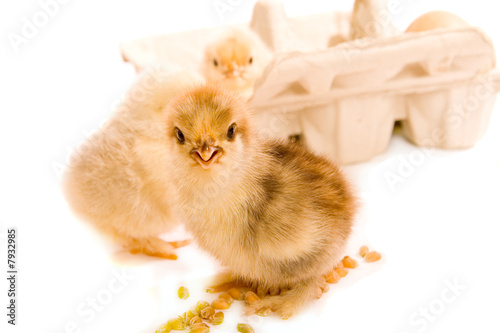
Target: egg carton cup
(343,97)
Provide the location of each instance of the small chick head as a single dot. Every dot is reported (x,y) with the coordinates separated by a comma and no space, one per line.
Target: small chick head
(208,131)
(236,58)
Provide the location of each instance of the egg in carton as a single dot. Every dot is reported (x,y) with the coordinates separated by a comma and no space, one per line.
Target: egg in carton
(343,95)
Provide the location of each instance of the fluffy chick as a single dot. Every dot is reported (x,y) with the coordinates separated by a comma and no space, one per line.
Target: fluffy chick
(235,58)
(116,179)
(276,215)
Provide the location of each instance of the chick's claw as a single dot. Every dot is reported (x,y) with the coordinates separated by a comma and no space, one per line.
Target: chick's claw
(320,291)
(179,244)
(274,291)
(321,288)
(263,291)
(324,287)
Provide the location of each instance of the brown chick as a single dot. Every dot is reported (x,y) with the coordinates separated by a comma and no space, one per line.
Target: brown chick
(276,215)
(116,179)
(235,58)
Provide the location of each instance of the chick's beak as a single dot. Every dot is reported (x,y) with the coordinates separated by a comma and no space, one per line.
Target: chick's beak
(206,155)
(233,71)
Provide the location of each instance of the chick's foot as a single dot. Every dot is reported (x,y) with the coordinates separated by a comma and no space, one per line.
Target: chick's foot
(156,247)
(224,287)
(289,302)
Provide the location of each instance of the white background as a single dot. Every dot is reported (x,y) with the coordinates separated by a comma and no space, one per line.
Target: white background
(441,226)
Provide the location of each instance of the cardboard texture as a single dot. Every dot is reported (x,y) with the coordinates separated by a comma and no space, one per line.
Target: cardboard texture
(343,98)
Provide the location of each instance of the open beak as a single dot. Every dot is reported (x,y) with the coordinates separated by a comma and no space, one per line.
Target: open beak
(206,155)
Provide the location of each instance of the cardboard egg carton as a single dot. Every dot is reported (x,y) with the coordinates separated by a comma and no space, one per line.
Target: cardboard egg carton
(343,98)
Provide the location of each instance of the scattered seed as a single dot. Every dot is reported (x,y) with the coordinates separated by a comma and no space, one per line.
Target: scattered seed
(236,294)
(201,329)
(188,315)
(373,256)
(195,320)
(348,262)
(200,306)
(251,297)
(183,293)
(228,298)
(245,328)
(220,304)
(199,325)
(341,271)
(177,324)
(363,251)
(207,312)
(332,277)
(165,328)
(217,318)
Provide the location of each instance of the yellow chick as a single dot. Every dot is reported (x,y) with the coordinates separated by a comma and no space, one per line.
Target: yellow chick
(276,215)
(116,180)
(437,20)
(235,58)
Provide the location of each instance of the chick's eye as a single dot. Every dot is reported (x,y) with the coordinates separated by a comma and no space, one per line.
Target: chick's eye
(216,63)
(231,132)
(250,60)
(179,135)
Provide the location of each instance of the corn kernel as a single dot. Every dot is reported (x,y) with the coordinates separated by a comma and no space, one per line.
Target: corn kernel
(177,324)
(201,305)
(165,328)
(183,293)
(200,325)
(363,251)
(207,312)
(341,271)
(348,262)
(195,320)
(251,297)
(220,304)
(332,277)
(236,294)
(245,328)
(200,329)
(373,256)
(217,318)
(226,297)
(188,315)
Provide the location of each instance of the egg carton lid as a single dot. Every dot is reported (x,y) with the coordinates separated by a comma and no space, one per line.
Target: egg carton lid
(408,63)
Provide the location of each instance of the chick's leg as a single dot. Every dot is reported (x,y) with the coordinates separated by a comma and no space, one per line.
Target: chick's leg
(143,241)
(289,301)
